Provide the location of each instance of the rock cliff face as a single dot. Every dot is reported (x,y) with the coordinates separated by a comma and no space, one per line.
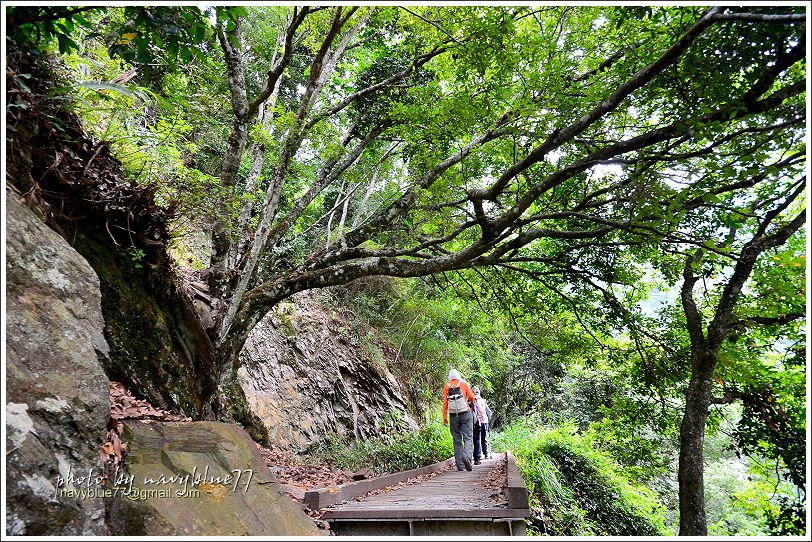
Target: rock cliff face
(308,377)
(157,346)
(56,388)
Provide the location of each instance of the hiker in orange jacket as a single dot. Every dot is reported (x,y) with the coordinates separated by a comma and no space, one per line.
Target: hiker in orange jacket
(457,399)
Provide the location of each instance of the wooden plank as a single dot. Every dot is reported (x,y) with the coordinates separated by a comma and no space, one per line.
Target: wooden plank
(450,490)
(324,497)
(516,490)
(421,501)
(453,495)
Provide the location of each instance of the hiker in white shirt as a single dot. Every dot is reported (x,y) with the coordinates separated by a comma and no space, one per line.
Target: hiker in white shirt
(482,415)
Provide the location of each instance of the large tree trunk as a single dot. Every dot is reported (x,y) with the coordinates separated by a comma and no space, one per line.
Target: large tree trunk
(705,355)
(222,227)
(692,438)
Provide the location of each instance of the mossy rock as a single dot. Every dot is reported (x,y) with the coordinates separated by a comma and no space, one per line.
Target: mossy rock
(158,348)
(249,503)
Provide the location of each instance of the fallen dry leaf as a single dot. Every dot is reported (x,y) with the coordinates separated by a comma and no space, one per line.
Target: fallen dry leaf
(124,406)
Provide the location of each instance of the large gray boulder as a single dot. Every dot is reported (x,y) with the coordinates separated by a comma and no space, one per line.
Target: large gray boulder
(56,390)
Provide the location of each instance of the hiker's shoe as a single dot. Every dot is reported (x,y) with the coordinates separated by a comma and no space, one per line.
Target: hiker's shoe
(477,462)
(459,469)
(467,462)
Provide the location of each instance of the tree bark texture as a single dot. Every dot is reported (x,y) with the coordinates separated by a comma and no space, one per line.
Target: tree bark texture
(235,145)
(693,521)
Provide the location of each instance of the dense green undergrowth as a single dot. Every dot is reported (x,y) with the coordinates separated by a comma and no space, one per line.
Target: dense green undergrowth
(578,489)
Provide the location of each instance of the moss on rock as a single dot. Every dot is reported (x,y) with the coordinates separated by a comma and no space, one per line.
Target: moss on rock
(157,347)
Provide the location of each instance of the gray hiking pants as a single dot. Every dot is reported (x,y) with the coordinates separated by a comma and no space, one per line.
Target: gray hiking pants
(462,431)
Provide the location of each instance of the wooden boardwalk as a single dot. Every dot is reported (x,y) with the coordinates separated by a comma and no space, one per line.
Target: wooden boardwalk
(490,500)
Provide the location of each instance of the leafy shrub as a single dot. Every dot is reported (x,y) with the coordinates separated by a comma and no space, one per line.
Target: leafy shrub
(391,453)
(581,489)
